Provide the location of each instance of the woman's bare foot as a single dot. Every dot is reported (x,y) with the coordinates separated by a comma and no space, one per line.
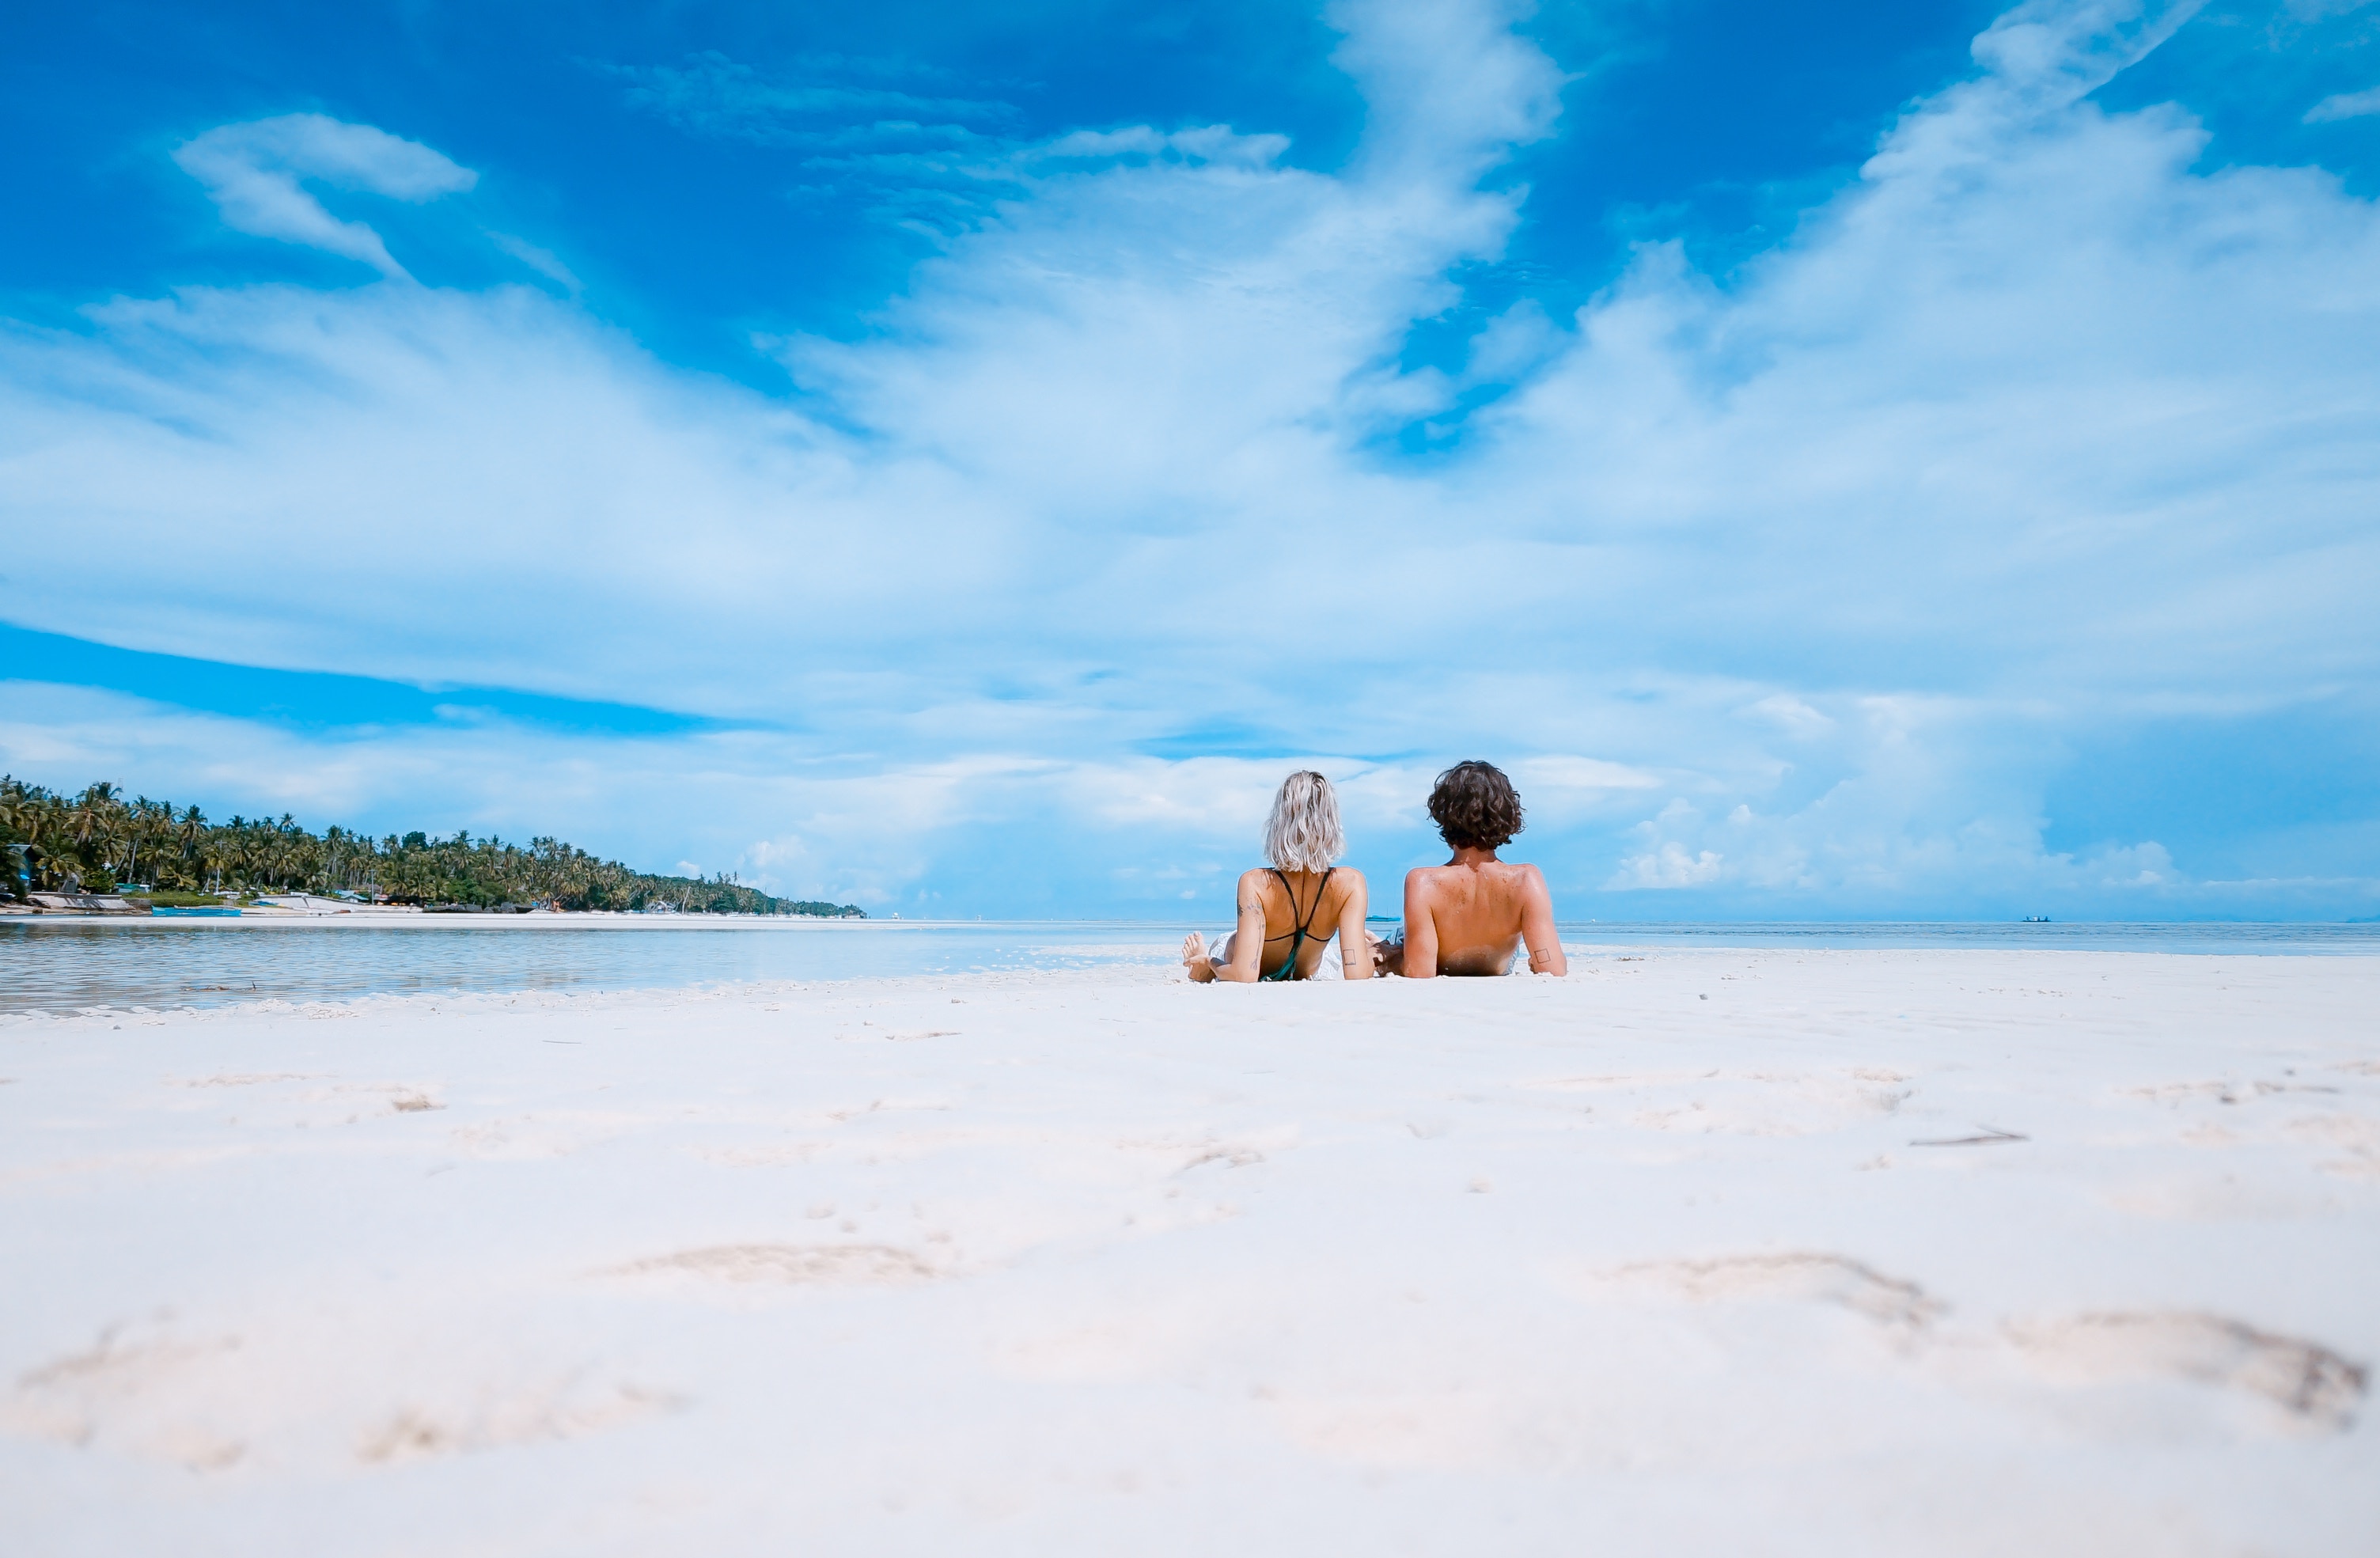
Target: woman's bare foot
(1194,958)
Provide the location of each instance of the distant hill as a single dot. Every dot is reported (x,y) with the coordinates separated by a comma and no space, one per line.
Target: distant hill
(99,839)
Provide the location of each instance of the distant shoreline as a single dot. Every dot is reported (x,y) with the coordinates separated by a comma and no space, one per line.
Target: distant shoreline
(101,853)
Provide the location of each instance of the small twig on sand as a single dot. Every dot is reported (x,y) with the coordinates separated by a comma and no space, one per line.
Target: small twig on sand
(1992,1137)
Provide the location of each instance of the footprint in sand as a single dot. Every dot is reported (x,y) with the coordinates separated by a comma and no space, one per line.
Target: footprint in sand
(1739,1102)
(129,1392)
(787,1265)
(2175,1094)
(211,1402)
(525,1417)
(1899,1305)
(2314,1388)
(2317,1387)
(1228,1155)
(2357,1139)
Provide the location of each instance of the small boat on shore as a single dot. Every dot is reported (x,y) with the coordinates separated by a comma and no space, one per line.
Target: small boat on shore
(85,903)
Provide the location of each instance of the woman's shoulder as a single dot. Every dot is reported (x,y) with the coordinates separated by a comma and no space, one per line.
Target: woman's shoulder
(1261,875)
(1341,879)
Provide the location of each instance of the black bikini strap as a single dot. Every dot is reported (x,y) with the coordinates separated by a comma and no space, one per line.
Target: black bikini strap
(1304,918)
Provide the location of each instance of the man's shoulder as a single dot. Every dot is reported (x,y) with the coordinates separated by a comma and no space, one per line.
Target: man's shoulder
(1422,879)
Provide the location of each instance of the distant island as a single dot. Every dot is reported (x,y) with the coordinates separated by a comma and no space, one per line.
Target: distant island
(98,841)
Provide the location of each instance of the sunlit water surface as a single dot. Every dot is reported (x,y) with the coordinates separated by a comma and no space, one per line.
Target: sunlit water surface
(71,965)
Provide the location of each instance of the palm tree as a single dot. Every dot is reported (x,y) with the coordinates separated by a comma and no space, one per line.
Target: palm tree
(95,815)
(138,826)
(18,807)
(90,826)
(17,812)
(190,833)
(45,830)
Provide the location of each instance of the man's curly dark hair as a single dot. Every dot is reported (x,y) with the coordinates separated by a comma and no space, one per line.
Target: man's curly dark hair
(1475,806)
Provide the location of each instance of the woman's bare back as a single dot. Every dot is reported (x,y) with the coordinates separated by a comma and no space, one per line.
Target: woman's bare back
(1313,897)
(1281,901)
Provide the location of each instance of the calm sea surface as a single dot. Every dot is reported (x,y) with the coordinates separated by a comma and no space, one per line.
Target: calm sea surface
(67,965)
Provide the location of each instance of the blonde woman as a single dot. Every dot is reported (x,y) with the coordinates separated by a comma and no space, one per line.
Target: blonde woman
(1290,909)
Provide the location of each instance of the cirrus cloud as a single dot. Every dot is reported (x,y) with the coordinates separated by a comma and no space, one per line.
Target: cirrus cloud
(255,173)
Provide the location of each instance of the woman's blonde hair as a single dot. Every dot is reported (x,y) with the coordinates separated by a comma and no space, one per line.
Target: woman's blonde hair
(1303,833)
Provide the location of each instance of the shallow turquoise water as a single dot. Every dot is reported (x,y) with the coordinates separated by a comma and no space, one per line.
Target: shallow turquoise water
(74,965)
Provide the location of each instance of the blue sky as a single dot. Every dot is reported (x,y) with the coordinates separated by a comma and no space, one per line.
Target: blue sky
(1843,459)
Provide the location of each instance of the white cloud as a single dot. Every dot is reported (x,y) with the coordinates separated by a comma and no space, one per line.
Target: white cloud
(2345,105)
(544,262)
(2141,865)
(1791,715)
(2035,426)
(1664,862)
(252,171)
(709,93)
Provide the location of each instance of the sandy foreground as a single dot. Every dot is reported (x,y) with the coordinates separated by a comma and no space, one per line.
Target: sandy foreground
(1885,1252)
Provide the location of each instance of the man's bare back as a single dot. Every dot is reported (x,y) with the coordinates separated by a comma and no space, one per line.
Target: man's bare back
(1472,913)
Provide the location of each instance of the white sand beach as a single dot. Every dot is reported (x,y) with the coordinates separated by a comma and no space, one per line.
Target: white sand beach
(1850,1252)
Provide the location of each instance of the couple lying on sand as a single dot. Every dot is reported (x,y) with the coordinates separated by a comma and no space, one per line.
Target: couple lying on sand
(1469,915)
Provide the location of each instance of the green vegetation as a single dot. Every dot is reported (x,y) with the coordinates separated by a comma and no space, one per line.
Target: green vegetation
(91,842)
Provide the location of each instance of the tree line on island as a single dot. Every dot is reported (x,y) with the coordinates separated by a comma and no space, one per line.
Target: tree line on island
(99,840)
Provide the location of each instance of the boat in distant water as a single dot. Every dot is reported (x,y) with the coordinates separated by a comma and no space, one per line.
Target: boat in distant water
(197,913)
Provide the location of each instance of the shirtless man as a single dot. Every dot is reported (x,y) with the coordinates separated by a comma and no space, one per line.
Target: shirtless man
(1470,915)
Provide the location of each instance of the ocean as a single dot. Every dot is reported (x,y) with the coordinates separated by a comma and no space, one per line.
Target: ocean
(77,965)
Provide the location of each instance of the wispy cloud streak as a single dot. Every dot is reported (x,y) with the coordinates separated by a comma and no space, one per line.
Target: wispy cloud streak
(255,172)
